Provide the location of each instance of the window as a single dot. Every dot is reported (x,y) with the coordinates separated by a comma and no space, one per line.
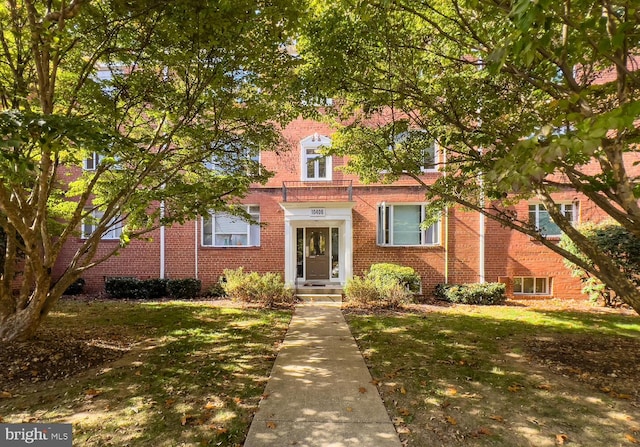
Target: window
(315,165)
(402,225)
(92,161)
(539,216)
(416,146)
(235,159)
(226,230)
(528,285)
(90,224)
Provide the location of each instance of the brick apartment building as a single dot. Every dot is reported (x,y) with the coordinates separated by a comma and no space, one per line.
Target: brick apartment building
(322,226)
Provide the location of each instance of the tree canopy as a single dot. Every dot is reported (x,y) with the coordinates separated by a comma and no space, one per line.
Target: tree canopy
(526,98)
(147,96)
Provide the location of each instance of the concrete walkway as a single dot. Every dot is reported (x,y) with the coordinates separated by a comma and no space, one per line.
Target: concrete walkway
(320,393)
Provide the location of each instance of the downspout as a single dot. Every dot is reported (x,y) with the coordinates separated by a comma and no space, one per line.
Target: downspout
(481,230)
(446,224)
(196,248)
(162,241)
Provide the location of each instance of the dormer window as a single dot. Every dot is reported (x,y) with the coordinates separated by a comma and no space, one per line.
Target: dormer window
(314,164)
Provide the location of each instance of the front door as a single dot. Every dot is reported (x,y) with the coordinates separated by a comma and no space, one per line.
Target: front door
(317,253)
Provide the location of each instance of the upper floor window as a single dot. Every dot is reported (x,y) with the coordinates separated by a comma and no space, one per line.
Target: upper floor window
(235,158)
(417,148)
(401,224)
(539,216)
(92,161)
(226,230)
(89,225)
(315,165)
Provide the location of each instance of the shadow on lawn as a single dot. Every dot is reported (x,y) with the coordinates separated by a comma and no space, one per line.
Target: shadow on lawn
(195,378)
(473,377)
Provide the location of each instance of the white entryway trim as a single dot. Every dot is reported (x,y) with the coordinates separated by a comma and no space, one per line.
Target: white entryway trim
(318,214)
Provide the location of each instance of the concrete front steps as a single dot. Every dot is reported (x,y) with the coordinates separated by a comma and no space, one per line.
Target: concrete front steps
(315,294)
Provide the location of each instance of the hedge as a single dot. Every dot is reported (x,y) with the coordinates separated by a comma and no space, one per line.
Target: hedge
(126,287)
(386,273)
(76,288)
(133,288)
(187,288)
(486,293)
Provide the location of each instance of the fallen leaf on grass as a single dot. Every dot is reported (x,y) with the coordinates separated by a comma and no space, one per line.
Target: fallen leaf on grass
(271,425)
(169,403)
(544,386)
(452,391)
(483,431)
(402,390)
(404,411)
(186,419)
(495,417)
(349,409)
(91,393)
(451,420)
(210,406)
(515,388)
(631,439)
(362,389)
(6,395)
(562,439)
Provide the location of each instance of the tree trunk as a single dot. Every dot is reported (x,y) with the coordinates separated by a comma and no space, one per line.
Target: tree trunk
(21,325)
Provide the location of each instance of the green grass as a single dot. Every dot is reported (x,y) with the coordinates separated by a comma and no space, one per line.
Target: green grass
(464,376)
(194,378)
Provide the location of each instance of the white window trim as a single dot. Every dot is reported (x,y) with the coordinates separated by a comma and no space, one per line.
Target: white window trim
(436,152)
(534,278)
(436,160)
(315,141)
(212,215)
(423,232)
(575,209)
(213,164)
(113,230)
(95,158)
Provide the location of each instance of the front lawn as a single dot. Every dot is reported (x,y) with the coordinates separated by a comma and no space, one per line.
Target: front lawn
(505,375)
(162,374)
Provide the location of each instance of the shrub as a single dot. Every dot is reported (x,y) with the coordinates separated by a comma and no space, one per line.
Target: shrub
(385,285)
(125,287)
(393,273)
(156,287)
(614,242)
(76,288)
(487,293)
(440,291)
(252,287)
(361,290)
(187,288)
(216,291)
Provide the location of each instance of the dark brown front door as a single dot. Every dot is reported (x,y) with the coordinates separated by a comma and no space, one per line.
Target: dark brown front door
(317,253)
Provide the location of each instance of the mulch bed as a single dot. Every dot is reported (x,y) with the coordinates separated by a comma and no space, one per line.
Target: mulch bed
(56,354)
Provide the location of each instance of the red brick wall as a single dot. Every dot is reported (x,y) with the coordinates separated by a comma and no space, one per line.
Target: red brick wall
(139,259)
(507,253)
